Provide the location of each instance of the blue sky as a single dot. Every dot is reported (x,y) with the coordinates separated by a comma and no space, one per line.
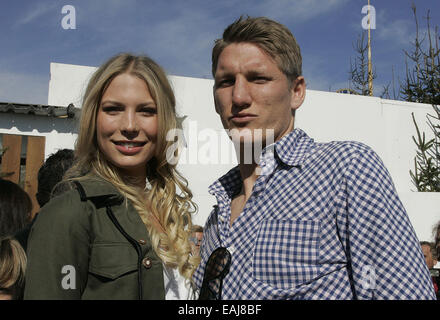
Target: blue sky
(179,35)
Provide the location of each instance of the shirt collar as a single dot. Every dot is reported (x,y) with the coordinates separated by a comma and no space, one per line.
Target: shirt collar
(291,150)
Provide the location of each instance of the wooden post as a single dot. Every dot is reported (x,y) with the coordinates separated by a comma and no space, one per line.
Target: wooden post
(34,160)
(370,65)
(11,158)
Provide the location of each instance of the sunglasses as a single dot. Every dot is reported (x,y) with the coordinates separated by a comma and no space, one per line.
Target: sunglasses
(216,269)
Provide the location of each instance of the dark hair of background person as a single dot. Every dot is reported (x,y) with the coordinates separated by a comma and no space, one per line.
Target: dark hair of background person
(437,239)
(49,177)
(15,208)
(51,173)
(12,269)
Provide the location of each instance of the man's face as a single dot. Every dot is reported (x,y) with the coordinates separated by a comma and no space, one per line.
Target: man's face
(196,240)
(199,237)
(428,256)
(251,92)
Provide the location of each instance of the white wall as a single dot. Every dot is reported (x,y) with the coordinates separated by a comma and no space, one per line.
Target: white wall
(385,125)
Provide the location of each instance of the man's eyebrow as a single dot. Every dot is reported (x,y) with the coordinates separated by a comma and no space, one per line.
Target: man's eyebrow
(224,74)
(253,73)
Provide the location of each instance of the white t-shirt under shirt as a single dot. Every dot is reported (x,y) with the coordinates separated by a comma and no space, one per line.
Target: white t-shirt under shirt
(176,286)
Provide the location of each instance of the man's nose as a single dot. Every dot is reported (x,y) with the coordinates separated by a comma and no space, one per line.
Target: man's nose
(240,95)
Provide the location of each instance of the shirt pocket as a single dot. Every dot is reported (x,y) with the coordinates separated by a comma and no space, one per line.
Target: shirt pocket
(286,252)
(112,260)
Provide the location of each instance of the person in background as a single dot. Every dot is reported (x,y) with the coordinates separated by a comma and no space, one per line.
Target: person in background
(15,208)
(51,173)
(437,239)
(123,231)
(12,269)
(429,252)
(49,176)
(196,239)
(297,219)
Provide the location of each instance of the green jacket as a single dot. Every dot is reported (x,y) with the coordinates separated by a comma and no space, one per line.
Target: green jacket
(89,243)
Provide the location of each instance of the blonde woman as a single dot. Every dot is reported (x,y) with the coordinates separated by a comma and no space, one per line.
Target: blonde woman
(123,231)
(12,269)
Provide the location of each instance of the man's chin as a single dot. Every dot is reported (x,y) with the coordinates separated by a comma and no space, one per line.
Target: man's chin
(251,136)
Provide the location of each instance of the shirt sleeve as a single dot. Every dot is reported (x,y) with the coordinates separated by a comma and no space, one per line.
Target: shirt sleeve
(386,258)
(58,250)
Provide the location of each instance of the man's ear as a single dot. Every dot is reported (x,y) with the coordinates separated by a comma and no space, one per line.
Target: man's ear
(298,90)
(215,100)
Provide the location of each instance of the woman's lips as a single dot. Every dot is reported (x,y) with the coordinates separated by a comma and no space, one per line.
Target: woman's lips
(129,148)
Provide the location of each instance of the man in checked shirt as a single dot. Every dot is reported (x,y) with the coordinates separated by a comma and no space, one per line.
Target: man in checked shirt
(307,220)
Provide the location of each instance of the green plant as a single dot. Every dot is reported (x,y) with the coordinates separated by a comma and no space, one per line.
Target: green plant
(358,79)
(426,175)
(422,84)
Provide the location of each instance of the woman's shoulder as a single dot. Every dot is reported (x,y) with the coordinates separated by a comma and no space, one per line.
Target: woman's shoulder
(77,201)
(86,187)
(94,186)
(63,205)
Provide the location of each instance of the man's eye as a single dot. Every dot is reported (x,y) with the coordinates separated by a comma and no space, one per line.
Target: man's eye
(260,79)
(224,83)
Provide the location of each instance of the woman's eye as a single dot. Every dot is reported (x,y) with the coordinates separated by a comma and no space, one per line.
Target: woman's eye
(112,109)
(148,111)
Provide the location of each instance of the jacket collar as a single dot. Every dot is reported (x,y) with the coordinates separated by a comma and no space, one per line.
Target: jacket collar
(95,186)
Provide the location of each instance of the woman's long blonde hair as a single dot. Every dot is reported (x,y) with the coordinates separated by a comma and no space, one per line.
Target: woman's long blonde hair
(166,207)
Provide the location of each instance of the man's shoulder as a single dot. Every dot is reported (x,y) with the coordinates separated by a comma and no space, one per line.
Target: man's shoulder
(339,150)
(343,146)
(308,147)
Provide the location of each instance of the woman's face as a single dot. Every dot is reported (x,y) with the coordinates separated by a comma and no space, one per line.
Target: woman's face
(126,125)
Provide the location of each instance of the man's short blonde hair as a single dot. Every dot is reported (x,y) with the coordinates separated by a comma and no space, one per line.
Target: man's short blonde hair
(274,38)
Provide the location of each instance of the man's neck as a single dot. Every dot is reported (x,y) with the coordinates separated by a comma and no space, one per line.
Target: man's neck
(249,176)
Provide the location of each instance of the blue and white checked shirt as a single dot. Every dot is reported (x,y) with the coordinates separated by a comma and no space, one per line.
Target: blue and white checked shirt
(323,222)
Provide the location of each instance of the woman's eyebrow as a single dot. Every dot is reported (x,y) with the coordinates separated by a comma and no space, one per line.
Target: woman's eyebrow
(113,102)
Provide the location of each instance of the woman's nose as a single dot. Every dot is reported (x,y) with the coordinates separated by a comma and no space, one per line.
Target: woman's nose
(129,127)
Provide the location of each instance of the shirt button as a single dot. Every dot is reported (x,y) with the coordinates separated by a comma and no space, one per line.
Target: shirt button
(147,263)
(142,241)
